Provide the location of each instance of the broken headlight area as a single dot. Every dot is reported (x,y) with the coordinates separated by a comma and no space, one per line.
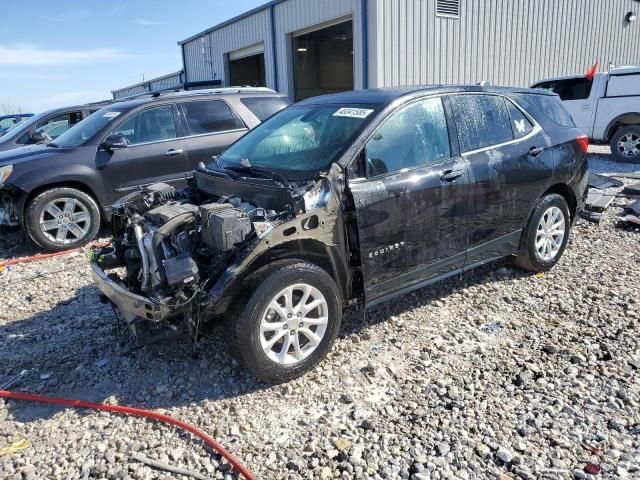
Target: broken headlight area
(171,246)
(9,213)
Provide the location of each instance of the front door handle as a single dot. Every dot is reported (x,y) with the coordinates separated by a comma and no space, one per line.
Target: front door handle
(172,152)
(451,175)
(535,151)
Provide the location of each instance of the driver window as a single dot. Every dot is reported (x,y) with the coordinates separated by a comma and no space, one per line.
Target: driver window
(416,135)
(151,125)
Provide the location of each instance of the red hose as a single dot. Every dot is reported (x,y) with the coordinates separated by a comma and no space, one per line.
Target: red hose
(44,256)
(244,471)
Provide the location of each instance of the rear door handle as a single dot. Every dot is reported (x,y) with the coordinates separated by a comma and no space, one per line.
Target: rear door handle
(172,152)
(451,175)
(535,151)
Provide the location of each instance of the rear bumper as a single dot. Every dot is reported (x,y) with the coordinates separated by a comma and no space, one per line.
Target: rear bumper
(131,305)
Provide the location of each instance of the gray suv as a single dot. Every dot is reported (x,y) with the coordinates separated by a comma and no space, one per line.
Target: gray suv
(60,192)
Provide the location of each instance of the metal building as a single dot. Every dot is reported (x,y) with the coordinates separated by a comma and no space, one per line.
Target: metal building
(310,47)
(165,82)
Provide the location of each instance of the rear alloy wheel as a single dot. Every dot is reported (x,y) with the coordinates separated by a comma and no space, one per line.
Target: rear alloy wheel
(625,144)
(546,235)
(288,321)
(62,218)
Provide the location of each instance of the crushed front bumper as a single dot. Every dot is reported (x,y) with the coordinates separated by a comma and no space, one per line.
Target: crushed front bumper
(131,306)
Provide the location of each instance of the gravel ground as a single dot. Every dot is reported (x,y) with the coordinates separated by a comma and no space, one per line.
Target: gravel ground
(499,374)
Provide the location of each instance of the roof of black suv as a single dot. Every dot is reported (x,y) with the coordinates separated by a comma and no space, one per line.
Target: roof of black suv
(154,96)
(384,96)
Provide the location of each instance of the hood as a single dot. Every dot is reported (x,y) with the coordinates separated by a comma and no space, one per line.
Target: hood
(28,153)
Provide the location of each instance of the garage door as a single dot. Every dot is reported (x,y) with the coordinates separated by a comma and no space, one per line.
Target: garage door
(246,66)
(323,60)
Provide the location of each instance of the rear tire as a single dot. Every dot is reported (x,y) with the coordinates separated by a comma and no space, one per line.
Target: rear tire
(546,236)
(278,343)
(625,144)
(62,218)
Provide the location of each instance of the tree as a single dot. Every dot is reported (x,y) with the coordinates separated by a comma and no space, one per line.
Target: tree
(6,109)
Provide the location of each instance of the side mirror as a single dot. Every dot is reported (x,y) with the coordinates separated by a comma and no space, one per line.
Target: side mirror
(39,137)
(114,142)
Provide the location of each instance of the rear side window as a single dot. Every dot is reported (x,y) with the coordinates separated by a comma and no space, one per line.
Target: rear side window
(483,121)
(549,106)
(210,117)
(520,124)
(264,107)
(568,89)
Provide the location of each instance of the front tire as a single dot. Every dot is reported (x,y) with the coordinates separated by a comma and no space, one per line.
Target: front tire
(62,218)
(546,235)
(625,144)
(287,323)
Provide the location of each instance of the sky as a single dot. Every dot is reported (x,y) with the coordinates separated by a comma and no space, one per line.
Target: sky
(83,49)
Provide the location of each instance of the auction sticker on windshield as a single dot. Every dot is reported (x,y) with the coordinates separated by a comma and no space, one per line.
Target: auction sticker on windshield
(111,114)
(353,112)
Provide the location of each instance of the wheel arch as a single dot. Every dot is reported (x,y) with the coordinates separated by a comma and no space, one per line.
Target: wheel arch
(308,250)
(565,191)
(624,120)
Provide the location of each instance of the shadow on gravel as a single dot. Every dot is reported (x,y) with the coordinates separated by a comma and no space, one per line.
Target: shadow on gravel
(14,242)
(357,320)
(73,350)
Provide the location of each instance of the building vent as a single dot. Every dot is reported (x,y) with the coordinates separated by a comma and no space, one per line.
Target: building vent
(448,8)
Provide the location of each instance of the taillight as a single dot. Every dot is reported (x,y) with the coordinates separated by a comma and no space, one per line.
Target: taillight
(583,141)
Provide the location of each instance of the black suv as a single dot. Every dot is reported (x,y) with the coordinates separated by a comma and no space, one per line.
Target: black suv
(59,192)
(46,126)
(349,198)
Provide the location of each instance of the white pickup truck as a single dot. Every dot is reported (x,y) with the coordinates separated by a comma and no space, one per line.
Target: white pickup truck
(606,108)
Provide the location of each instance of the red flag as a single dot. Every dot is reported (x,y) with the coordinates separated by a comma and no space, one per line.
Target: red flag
(592,71)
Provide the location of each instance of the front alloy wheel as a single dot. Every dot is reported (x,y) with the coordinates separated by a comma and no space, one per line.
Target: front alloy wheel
(65,220)
(294,324)
(62,218)
(286,323)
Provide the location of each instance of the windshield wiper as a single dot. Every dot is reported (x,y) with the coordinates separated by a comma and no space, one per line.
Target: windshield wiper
(270,174)
(54,145)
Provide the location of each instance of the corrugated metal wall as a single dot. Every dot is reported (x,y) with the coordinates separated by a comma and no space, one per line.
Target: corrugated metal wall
(508,42)
(295,15)
(289,17)
(210,65)
(173,80)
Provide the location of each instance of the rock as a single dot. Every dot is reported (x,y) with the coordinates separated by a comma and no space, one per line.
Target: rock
(504,454)
(325,473)
(443,448)
(342,444)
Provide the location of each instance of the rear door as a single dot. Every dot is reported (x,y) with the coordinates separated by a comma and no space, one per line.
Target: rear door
(212,126)
(508,158)
(409,205)
(154,153)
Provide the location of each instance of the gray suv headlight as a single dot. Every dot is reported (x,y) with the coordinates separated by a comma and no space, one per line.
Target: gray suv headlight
(5,173)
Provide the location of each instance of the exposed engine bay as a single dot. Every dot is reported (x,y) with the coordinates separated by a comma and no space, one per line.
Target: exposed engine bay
(173,245)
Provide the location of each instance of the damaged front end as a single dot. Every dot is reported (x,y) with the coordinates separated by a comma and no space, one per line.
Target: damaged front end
(178,255)
(9,210)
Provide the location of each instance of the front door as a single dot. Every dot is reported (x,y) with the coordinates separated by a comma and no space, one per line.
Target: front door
(153,154)
(409,206)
